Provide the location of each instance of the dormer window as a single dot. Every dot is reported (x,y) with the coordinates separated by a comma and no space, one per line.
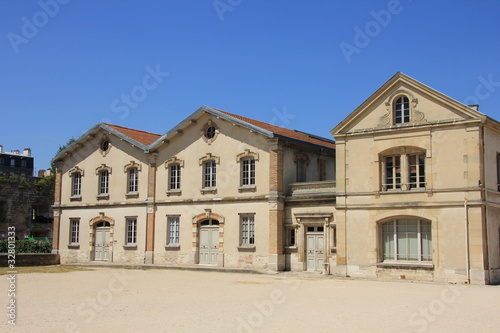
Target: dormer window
(401,110)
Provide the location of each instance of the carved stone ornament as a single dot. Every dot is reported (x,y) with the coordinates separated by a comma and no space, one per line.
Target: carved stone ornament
(416,117)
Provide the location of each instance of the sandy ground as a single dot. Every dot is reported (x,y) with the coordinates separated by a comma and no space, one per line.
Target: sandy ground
(120,300)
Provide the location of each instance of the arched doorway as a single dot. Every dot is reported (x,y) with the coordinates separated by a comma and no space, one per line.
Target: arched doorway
(101,241)
(209,242)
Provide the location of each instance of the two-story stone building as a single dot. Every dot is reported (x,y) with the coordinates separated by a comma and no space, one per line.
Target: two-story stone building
(211,191)
(408,190)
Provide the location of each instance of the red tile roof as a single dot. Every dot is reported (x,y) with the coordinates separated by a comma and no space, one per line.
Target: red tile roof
(143,137)
(281,131)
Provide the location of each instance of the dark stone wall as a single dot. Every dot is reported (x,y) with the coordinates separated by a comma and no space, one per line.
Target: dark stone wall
(26,207)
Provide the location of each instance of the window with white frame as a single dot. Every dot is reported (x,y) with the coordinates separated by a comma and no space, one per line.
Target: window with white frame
(401,110)
(133,180)
(173,224)
(74,227)
(209,174)
(247,229)
(174,176)
(406,240)
(405,170)
(104,182)
(76,184)
(248,171)
(131,236)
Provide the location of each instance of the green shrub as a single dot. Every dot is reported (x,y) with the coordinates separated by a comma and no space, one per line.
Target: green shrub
(28,246)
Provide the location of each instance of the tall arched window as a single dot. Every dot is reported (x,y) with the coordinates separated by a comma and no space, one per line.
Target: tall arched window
(402,110)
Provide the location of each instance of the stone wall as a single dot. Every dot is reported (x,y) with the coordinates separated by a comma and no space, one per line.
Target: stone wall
(26,207)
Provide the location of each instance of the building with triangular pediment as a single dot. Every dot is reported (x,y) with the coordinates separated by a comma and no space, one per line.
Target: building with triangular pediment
(408,190)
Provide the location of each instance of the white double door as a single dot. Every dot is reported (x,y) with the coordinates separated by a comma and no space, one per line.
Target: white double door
(101,250)
(209,245)
(314,251)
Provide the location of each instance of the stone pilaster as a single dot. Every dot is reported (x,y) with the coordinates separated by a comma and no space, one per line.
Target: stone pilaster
(57,210)
(276,258)
(151,210)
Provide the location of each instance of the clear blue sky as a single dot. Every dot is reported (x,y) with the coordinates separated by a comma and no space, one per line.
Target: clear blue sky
(301,64)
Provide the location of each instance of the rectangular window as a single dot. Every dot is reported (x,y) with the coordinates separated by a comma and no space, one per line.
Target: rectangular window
(175,177)
(247,230)
(133,180)
(248,171)
(416,165)
(210,174)
(407,240)
(301,171)
(104,182)
(291,237)
(322,169)
(392,168)
(76,184)
(74,231)
(173,230)
(12,162)
(131,230)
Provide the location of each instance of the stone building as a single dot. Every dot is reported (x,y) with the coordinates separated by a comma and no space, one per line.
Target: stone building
(24,202)
(409,190)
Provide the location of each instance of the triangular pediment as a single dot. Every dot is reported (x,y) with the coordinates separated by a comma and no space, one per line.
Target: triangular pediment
(426,107)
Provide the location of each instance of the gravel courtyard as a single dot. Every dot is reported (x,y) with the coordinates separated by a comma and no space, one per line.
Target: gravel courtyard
(121,300)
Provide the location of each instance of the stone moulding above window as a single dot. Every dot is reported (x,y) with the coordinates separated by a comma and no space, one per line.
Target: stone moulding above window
(247,153)
(174,160)
(102,167)
(130,165)
(75,170)
(209,157)
(301,157)
(416,117)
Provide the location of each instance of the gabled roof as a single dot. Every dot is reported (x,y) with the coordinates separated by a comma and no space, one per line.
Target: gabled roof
(266,129)
(285,132)
(142,137)
(149,141)
(398,78)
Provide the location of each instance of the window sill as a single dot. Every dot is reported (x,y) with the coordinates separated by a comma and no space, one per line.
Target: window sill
(130,246)
(247,188)
(74,246)
(209,190)
(172,247)
(174,192)
(406,264)
(102,197)
(75,198)
(132,195)
(246,248)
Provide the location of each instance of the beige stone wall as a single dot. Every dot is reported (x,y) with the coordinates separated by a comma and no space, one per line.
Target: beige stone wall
(88,157)
(84,252)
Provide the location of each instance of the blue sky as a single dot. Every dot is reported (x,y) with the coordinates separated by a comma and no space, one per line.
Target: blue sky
(303,64)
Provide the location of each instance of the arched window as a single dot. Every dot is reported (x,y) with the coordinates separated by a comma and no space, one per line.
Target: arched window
(406,239)
(401,110)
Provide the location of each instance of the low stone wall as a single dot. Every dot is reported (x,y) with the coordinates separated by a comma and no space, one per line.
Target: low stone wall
(30,259)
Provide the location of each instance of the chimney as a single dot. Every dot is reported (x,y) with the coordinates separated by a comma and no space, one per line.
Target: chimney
(1,149)
(15,152)
(27,152)
(474,107)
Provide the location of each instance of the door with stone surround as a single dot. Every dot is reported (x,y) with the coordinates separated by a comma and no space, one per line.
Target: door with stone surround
(209,242)
(101,245)
(314,248)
